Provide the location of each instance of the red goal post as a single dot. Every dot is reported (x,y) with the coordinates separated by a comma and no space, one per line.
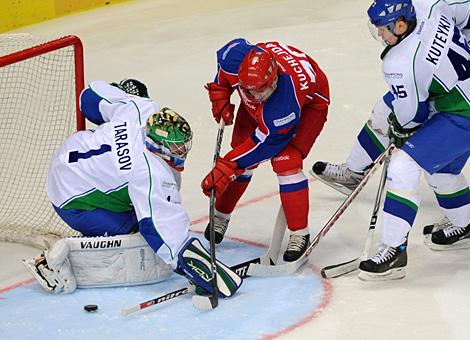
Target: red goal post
(40,83)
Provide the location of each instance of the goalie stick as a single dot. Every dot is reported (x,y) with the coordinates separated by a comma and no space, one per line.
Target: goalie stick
(270,257)
(291,267)
(343,268)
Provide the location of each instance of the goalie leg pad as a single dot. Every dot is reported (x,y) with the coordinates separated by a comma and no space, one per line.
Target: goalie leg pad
(194,262)
(124,260)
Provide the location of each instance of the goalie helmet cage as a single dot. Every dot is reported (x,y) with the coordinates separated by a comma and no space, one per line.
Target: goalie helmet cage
(40,83)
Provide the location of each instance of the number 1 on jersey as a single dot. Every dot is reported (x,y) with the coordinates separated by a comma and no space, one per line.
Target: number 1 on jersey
(74,156)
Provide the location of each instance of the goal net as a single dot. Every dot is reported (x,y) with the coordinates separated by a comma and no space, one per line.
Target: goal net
(40,81)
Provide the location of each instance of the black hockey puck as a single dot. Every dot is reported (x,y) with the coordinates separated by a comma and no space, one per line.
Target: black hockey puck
(90,308)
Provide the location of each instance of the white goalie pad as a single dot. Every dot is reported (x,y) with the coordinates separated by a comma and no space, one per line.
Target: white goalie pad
(124,260)
(89,262)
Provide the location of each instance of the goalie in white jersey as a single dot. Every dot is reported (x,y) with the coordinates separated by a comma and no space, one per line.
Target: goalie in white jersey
(116,180)
(427,68)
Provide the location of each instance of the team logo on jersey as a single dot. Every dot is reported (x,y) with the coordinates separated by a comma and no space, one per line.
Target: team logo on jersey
(393,75)
(283,121)
(169,185)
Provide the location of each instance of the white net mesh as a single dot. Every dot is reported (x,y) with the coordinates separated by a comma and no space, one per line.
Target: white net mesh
(37,110)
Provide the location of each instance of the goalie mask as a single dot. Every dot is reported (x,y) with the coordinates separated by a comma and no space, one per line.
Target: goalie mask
(169,136)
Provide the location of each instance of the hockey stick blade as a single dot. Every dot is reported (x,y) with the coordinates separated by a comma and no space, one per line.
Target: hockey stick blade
(339,269)
(291,267)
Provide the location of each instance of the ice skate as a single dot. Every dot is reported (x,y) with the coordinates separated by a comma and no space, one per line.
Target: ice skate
(388,264)
(432,228)
(220,227)
(337,176)
(298,244)
(450,238)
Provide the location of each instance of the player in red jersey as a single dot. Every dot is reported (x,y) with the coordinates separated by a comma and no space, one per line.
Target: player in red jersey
(284,103)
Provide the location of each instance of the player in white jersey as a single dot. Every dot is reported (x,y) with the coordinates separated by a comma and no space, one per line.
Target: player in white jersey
(373,137)
(426,66)
(121,178)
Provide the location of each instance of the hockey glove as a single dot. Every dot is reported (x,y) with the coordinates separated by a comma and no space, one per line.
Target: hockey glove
(132,86)
(397,134)
(220,98)
(220,177)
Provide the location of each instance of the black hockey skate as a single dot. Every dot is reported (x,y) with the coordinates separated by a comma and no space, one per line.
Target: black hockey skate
(452,237)
(432,228)
(337,176)
(296,247)
(388,264)
(220,227)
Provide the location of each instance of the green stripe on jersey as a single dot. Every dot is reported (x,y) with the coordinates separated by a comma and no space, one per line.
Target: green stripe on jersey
(449,101)
(116,201)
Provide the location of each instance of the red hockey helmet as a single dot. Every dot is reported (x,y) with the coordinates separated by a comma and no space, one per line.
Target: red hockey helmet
(257,75)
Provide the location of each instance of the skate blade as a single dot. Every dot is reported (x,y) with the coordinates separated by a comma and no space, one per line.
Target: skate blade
(392,274)
(338,187)
(462,244)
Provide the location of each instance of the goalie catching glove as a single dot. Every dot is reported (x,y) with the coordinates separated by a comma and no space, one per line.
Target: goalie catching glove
(397,134)
(220,98)
(194,262)
(133,87)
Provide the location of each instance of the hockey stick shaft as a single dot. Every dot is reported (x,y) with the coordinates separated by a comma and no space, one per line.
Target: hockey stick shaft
(215,296)
(291,267)
(352,265)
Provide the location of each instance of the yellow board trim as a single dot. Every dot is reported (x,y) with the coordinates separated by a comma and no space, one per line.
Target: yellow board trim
(19,13)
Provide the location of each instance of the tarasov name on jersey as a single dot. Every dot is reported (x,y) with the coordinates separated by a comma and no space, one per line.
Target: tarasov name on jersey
(122,146)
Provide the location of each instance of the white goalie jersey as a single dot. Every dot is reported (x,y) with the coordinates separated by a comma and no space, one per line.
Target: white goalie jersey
(111,168)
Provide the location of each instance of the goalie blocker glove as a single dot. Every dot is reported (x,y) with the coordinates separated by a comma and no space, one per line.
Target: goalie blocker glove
(194,262)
